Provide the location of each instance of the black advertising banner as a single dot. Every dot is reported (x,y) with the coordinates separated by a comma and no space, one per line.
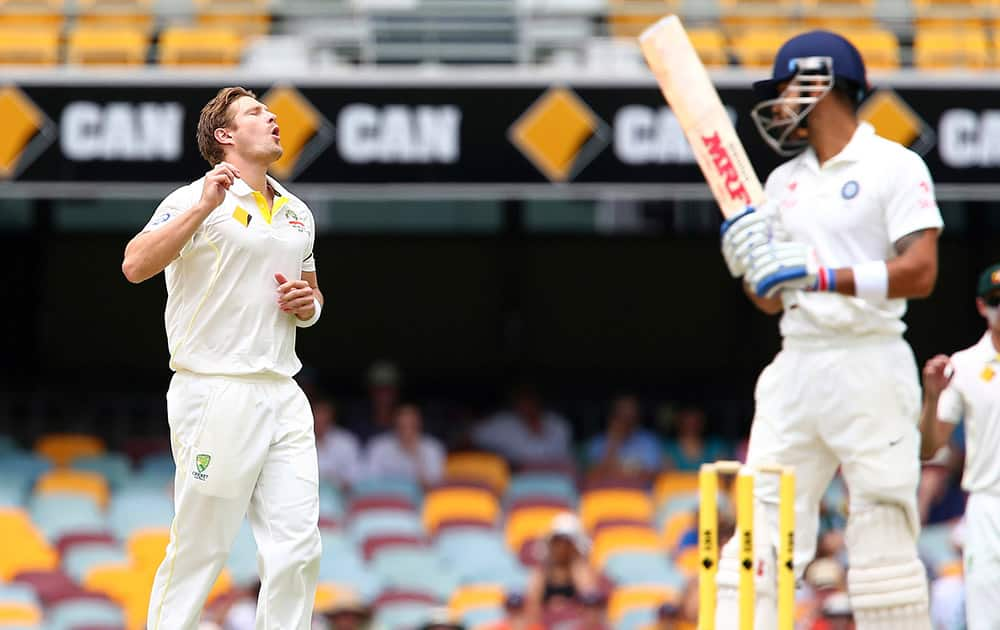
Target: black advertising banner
(447,135)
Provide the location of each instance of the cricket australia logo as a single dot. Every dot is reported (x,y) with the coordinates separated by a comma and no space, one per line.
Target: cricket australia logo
(294,220)
(201,463)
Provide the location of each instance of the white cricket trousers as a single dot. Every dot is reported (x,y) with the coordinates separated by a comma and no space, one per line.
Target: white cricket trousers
(242,445)
(981,556)
(849,403)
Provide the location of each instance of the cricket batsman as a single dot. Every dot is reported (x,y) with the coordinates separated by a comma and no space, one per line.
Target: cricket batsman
(966,388)
(848,234)
(236,249)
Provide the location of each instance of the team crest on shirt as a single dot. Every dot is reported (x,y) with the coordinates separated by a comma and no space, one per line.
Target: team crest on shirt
(294,221)
(201,462)
(850,189)
(160,219)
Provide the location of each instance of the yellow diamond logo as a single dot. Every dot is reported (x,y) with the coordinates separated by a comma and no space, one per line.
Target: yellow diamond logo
(27,131)
(560,134)
(894,120)
(305,132)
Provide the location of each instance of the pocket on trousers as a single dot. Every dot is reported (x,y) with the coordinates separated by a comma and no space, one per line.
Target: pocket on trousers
(216,462)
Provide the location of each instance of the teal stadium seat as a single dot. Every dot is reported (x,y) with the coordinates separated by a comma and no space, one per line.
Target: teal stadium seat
(477,617)
(59,514)
(137,509)
(636,567)
(114,467)
(478,556)
(636,619)
(18,594)
(406,488)
(385,523)
(541,485)
(415,569)
(242,561)
(23,465)
(341,563)
(81,558)
(83,612)
(331,502)
(401,615)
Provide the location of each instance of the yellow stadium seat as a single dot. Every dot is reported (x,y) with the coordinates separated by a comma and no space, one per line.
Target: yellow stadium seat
(756,48)
(951,13)
(195,46)
(710,44)
(84,482)
(628,598)
(137,14)
(32,13)
(147,547)
(739,15)
(329,595)
(105,45)
(836,14)
(672,483)
(62,448)
(22,546)
(459,503)
(29,45)
(675,526)
(119,581)
(938,49)
(529,523)
(688,561)
(878,47)
(466,598)
(614,539)
(605,505)
(482,467)
(19,614)
(628,18)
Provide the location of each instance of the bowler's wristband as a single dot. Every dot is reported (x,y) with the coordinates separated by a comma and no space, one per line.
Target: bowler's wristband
(306,323)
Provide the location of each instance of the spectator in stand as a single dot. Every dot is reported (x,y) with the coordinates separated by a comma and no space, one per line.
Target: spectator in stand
(337,449)
(346,613)
(527,433)
(668,617)
(824,579)
(837,614)
(564,576)
(375,415)
(690,448)
(406,451)
(593,612)
(626,450)
(515,617)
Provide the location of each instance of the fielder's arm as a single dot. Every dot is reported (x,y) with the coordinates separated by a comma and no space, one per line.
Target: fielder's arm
(934,432)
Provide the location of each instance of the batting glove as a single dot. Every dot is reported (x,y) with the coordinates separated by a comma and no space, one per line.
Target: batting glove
(740,235)
(776,266)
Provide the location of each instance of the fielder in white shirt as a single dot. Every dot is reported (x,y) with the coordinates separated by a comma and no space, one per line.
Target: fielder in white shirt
(966,388)
(848,234)
(236,251)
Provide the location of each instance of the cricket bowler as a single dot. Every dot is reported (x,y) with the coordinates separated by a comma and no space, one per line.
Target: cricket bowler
(848,233)
(966,388)
(236,250)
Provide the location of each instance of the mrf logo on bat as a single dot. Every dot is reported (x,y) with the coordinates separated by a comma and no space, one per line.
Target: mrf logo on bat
(725,168)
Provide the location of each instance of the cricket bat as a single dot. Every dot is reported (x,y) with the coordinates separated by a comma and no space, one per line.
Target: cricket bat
(695,102)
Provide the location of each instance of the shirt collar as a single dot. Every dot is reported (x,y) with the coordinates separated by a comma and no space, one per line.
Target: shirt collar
(986,346)
(241,189)
(853,151)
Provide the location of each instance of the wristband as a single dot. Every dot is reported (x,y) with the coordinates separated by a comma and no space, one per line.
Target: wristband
(306,323)
(826,280)
(871,280)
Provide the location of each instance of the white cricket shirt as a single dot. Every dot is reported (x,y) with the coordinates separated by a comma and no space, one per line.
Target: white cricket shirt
(974,396)
(222,315)
(852,209)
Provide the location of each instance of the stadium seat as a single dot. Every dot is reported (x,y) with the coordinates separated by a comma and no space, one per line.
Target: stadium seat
(628,18)
(620,539)
(951,13)
(114,467)
(604,505)
(22,546)
(62,448)
(342,563)
(136,14)
(331,593)
(182,46)
(838,14)
(949,48)
(485,467)
(247,17)
(384,523)
(68,541)
(671,483)
(402,614)
(688,561)
(482,617)
(467,598)
(13,489)
(625,599)
(377,544)
(80,482)
(103,45)
(147,547)
(133,510)
(878,47)
(737,16)
(414,569)
(710,44)
(81,558)
(48,14)
(74,613)
(756,48)
(365,504)
(467,504)
(529,524)
(59,514)
(675,527)
(331,503)
(242,562)
(406,488)
(19,615)
(477,555)
(541,486)
(29,45)
(641,567)
(119,581)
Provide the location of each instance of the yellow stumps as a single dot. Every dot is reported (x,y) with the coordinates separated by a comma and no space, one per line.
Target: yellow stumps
(786,551)
(708,544)
(744,530)
(708,541)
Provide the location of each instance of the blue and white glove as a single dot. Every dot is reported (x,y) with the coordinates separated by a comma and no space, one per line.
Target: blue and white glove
(740,235)
(779,265)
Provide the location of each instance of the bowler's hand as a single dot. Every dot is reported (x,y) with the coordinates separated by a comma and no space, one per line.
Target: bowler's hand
(936,375)
(295,297)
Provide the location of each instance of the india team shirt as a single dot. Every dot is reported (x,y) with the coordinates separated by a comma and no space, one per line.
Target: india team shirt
(974,396)
(222,315)
(852,209)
